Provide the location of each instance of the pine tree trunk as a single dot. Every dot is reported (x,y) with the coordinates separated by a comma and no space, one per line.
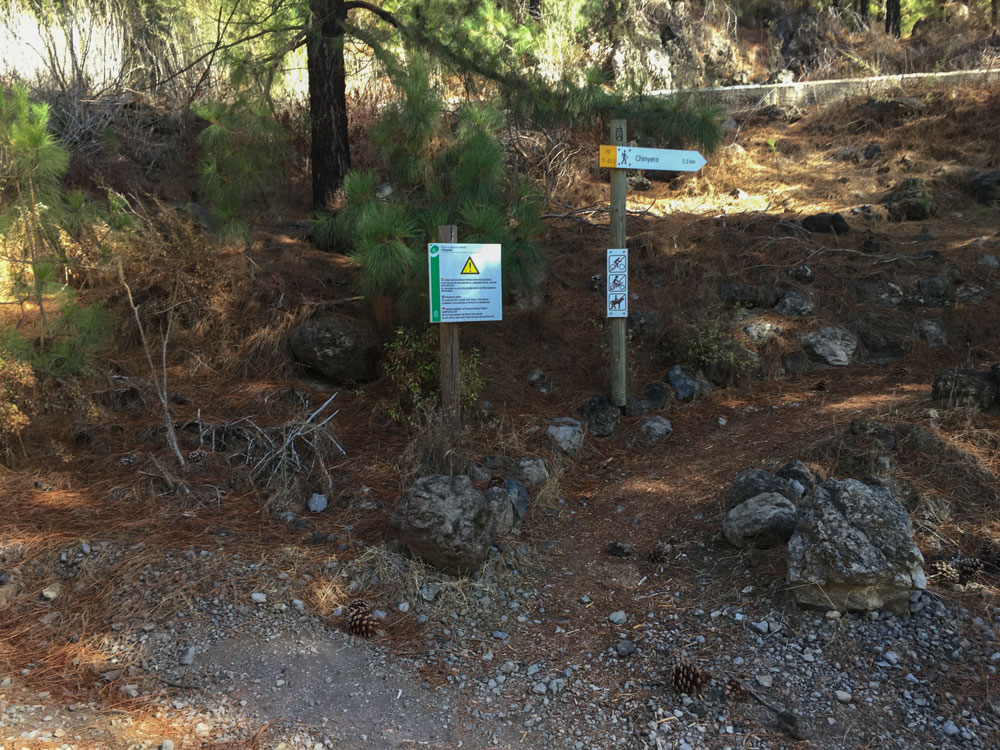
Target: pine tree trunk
(893,18)
(863,9)
(331,154)
(383,309)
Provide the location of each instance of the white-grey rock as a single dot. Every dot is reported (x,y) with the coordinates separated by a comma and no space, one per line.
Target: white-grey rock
(655,430)
(830,345)
(853,549)
(843,696)
(794,303)
(317,503)
(765,520)
(619,617)
(258,597)
(567,434)
(932,332)
(989,260)
(532,470)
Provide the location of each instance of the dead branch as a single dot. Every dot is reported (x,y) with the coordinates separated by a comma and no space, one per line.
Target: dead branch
(159,384)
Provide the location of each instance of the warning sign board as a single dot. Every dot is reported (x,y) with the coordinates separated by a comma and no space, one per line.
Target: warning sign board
(617,274)
(465,282)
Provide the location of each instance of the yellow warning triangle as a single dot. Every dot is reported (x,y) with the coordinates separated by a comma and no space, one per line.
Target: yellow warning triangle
(469,267)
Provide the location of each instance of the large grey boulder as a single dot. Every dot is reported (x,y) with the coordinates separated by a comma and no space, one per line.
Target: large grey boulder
(830,345)
(450,524)
(339,348)
(853,549)
(766,520)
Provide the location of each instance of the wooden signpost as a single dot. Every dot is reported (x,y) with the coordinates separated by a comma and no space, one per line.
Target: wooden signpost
(620,158)
(465,285)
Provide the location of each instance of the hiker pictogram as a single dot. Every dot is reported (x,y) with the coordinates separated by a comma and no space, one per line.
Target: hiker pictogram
(470,267)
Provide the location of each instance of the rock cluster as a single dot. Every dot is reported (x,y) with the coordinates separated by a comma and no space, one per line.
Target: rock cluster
(850,544)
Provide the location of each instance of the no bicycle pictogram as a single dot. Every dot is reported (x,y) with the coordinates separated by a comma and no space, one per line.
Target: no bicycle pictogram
(469,267)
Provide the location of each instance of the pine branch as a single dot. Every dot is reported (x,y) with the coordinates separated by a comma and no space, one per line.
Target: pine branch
(385,15)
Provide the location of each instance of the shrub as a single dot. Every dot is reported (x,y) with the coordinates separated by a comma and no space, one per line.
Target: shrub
(413,365)
(17,383)
(711,348)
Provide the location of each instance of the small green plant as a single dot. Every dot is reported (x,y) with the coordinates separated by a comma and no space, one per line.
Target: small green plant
(772,144)
(711,348)
(412,364)
(72,338)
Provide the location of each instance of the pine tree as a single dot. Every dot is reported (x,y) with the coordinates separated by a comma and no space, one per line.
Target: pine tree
(32,162)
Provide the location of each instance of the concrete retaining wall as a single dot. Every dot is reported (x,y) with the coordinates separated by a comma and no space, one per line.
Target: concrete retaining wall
(808,93)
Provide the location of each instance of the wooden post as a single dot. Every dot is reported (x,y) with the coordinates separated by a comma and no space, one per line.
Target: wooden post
(451,387)
(616,326)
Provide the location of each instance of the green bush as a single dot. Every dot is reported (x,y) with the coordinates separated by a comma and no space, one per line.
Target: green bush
(710,347)
(412,362)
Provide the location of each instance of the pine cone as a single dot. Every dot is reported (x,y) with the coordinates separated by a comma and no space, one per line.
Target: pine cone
(360,620)
(688,678)
(734,691)
(967,567)
(944,571)
(660,552)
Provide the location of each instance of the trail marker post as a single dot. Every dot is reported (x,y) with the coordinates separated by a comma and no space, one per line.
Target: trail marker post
(465,285)
(620,158)
(619,136)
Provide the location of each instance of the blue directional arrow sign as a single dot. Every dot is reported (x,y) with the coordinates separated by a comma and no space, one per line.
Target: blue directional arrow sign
(662,159)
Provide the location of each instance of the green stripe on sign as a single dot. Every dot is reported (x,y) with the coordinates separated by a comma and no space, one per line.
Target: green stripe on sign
(435,277)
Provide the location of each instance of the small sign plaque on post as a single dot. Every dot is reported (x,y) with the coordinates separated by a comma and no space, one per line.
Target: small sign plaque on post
(617,283)
(465,283)
(656,159)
